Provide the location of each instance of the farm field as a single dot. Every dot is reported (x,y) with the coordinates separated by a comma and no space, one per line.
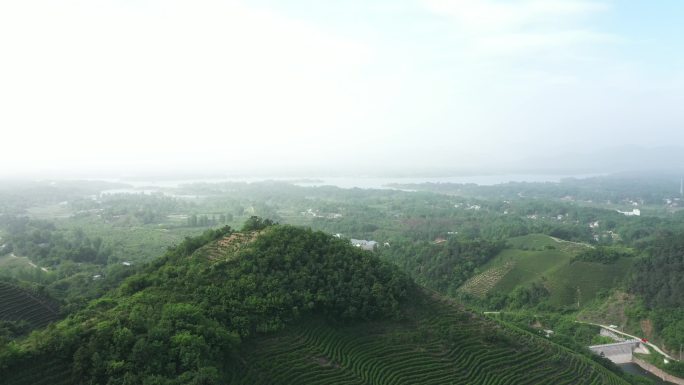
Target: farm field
(18,304)
(545,242)
(540,258)
(528,266)
(481,284)
(589,277)
(447,347)
(133,243)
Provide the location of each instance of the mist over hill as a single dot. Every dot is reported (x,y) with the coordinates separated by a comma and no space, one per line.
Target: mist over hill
(561,161)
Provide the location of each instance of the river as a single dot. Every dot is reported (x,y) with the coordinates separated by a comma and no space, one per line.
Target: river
(365,182)
(633,368)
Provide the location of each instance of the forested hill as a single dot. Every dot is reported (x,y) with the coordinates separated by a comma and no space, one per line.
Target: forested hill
(277,305)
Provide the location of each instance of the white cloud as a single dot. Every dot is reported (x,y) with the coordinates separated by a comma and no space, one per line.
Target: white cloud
(487,15)
(523,43)
(125,81)
(171,82)
(521,27)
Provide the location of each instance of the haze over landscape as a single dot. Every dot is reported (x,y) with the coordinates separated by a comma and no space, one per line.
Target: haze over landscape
(309,87)
(361,192)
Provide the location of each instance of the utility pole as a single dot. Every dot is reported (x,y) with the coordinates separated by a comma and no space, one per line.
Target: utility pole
(579,293)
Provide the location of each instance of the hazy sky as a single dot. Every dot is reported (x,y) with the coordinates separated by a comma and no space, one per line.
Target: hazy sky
(350,84)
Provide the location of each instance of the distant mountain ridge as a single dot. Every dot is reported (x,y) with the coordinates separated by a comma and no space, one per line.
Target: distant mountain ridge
(622,159)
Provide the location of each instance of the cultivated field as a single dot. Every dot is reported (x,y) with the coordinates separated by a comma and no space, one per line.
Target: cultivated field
(18,304)
(543,259)
(441,346)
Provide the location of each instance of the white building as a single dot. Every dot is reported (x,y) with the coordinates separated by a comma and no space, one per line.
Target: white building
(633,213)
(363,244)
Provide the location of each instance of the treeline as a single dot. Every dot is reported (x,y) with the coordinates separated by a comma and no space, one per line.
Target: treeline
(659,280)
(651,189)
(205,220)
(532,296)
(126,209)
(44,243)
(604,255)
(659,277)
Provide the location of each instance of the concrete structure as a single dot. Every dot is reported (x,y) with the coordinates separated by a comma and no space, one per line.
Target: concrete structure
(363,244)
(633,213)
(619,353)
(649,344)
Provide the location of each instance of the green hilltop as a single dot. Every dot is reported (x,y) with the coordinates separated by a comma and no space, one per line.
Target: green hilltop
(279,304)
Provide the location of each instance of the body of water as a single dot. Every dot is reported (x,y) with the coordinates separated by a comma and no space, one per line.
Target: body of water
(364,182)
(482,180)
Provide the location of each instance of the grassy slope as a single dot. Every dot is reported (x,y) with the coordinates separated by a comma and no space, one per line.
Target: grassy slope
(540,258)
(591,278)
(138,243)
(532,241)
(528,266)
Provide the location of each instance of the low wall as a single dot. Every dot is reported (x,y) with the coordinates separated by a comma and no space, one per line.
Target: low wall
(659,372)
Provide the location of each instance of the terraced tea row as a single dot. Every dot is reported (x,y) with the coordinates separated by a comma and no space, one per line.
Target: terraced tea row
(449,346)
(18,304)
(481,284)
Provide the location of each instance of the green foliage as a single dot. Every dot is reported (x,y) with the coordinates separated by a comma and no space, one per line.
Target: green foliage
(604,255)
(601,340)
(660,276)
(529,296)
(255,223)
(49,246)
(191,244)
(584,282)
(659,280)
(12,329)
